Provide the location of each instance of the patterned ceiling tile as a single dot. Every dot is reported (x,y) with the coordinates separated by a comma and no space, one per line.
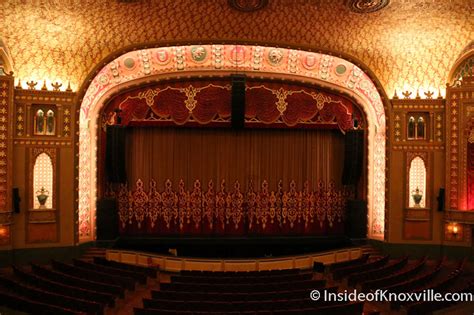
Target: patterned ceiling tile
(408,44)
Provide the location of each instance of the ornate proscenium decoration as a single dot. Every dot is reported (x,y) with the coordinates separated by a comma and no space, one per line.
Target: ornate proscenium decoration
(42,196)
(417,195)
(366,6)
(248,5)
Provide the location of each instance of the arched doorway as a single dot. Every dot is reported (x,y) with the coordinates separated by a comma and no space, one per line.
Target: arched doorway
(141,66)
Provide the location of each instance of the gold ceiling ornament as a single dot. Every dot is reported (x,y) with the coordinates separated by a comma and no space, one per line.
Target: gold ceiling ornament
(429,94)
(56,86)
(247,5)
(18,86)
(407,94)
(395,95)
(366,6)
(31,84)
(440,96)
(417,97)
(44,87)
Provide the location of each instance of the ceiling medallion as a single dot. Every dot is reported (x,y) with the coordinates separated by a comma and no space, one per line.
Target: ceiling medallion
(366,6)
(248,5)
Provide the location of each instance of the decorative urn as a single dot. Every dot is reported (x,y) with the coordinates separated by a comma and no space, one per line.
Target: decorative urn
(42,196)
(416,195)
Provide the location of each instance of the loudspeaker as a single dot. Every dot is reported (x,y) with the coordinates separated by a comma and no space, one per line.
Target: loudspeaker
(353,157)
(356,218)
(16,200)
(115,154)
(107,219)
(238,101)
(440,199)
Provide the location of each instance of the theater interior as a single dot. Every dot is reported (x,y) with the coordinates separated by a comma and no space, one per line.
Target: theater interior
(236,156)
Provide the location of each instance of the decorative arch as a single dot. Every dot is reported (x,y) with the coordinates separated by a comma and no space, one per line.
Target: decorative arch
(464,65)
(150,64)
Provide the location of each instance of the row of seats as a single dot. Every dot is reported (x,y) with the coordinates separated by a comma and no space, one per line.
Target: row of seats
(265,292)
(380,272)
(397,277)
(79,288)
(338,274)
(236,296)
(238,274)
(43,296)
(243,279)
(244,288)
(342,309)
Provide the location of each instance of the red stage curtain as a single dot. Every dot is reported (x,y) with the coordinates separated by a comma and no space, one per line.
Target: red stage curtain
(167,166)
(217,154)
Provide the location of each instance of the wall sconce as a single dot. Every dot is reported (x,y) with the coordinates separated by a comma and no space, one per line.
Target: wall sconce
(455,231)
(3,232)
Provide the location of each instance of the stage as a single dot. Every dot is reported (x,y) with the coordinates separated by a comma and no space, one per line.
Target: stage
(233,247)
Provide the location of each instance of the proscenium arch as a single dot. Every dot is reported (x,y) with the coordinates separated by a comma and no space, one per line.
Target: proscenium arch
(135,67)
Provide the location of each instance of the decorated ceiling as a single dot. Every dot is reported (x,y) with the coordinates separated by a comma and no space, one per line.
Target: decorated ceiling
(408,45)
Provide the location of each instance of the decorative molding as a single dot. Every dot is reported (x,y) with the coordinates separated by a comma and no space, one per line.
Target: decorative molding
(41,142)
(21,123)
(466,217)
(6,218)
(432,147)
(438,127)
(37,216)
(397,128)
(6,100)
(67,122)
(44,97)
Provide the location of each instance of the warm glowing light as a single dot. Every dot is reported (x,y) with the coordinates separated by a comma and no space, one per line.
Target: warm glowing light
(417,183)
(43,180)
(455,229)
(3,231)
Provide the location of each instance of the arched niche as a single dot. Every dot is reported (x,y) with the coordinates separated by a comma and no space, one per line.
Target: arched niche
(146,65)
(417,183)
(43,179)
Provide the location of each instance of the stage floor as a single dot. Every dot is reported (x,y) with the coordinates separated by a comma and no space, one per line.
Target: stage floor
(233,247)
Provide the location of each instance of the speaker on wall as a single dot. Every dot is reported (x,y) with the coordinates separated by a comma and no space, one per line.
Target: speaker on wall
(16,200)
(115,154)
(107,219)
(356,222)
(238,101)
(353,157)
(440,199)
